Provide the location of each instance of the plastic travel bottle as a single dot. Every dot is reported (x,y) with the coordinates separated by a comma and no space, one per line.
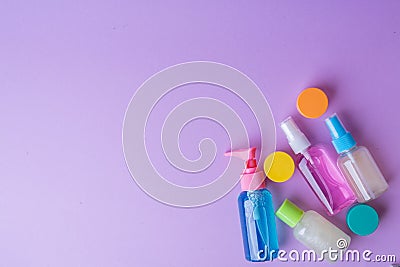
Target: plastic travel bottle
(356,163)
(314,231)
(256,211)
(319,170)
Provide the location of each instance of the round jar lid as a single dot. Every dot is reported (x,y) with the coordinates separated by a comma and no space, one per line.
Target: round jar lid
(362,219)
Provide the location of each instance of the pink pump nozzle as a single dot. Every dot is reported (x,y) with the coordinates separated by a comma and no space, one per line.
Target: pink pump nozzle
(251,179)
(249,155)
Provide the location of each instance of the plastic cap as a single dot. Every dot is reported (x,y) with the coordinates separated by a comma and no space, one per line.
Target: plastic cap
(312,103)
(342,140)
(362,219)
(279,166)
(289,213)
(297,140)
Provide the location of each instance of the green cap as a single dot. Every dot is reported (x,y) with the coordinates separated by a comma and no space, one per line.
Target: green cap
(362,219)
(289,213)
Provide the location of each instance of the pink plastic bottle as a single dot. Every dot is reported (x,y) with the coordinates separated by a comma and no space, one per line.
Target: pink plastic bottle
(319,170)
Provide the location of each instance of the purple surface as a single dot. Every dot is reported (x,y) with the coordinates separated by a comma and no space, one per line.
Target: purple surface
(68,71)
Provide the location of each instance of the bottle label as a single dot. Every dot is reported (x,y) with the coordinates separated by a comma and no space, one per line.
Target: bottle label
(256,224)
(251,229)
(357,179)
(314,185)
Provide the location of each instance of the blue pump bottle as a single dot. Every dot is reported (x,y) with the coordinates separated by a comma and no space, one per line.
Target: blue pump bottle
(257,216)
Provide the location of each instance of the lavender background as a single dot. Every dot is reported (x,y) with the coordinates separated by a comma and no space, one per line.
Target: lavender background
(68,70)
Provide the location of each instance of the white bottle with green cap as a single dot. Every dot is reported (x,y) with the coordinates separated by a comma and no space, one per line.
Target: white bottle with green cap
(314,231)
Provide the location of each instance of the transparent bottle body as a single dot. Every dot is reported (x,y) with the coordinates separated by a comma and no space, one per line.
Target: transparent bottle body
(320,235)
(362,173)
(325,179)
(257,218)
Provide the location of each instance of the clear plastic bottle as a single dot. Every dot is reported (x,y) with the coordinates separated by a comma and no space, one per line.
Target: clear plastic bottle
(356,163)
(314,231)
(319,170)
(257,217)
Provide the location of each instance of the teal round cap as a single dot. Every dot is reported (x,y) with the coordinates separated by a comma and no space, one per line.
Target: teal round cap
(362,219)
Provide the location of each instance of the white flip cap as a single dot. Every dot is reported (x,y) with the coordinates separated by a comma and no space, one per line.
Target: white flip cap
(297,140)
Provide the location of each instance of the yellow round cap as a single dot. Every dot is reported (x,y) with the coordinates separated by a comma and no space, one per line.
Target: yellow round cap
(312,103)
(279,166)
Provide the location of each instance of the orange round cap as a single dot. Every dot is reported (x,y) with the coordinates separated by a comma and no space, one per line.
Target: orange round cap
(312,103)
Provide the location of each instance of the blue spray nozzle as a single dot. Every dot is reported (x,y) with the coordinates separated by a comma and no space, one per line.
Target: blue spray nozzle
(342,140)
(335,126)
